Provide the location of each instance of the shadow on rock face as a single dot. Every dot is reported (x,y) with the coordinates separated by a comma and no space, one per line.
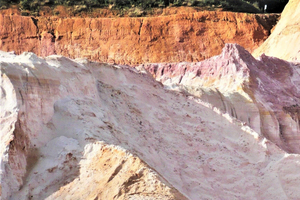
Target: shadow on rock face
(246,88)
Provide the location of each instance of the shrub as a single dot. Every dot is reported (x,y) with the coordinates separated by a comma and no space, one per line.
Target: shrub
(25,4)
(231,5)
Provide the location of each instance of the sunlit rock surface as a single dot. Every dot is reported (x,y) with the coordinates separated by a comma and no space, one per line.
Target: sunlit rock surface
(284,42)
(57,130)
(188,36)
(82,130)
(263,93)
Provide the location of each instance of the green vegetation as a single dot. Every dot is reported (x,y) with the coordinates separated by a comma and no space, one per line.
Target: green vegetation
(250,6)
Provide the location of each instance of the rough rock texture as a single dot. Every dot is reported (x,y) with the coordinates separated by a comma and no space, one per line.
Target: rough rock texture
(111,173)
(284,42)
(174,38)
(263,93)
(67,125)
(50,133)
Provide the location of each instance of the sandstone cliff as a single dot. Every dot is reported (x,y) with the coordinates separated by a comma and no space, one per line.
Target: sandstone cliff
(284,41)
(174,38)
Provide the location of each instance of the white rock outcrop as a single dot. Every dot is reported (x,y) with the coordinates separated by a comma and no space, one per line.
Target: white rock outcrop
(82,130)
(50,112)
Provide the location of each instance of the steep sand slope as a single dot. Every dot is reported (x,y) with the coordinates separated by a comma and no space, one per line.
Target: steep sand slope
(174,38)
(284,42)
(74,120)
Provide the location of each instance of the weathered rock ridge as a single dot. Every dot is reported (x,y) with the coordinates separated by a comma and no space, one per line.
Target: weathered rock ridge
(53,114)
(82,130)
(181,37)
(263,93)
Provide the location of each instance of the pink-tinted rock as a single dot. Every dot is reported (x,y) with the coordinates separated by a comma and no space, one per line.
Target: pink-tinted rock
(263,93)
(83,130)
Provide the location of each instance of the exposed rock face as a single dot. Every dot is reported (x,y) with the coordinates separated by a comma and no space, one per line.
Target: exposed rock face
(67,125)
(108,172)
(181,37)
(284,42)
(263,93)
(50,133)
